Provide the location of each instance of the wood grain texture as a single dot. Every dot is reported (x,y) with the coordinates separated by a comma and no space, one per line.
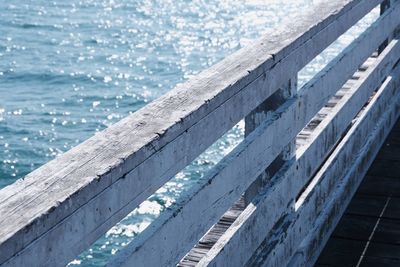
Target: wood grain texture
(260,217)
(60,209)
(173,235)
(181,226)
(329,195)
(373,217)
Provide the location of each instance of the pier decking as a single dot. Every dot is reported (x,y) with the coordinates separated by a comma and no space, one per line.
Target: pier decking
(368,235)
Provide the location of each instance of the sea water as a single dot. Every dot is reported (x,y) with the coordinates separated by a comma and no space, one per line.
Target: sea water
(71,68)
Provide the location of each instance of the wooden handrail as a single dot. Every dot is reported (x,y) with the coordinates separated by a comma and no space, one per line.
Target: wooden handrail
(60,209)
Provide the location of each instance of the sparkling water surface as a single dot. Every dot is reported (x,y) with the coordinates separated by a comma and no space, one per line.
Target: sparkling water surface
(71,68)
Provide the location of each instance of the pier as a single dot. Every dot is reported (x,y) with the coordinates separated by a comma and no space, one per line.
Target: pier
(369,232)
(275,199)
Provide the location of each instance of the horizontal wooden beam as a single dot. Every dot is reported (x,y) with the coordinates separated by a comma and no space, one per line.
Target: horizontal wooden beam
(170,238)
(60,209)
(375,122)
(263,214)
(172,235)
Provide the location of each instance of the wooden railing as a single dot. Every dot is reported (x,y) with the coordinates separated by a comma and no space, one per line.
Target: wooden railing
(315,142)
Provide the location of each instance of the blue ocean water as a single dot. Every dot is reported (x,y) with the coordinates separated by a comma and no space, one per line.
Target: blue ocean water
(71,68)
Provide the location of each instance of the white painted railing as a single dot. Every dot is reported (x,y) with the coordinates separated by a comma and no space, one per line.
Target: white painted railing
(55,212)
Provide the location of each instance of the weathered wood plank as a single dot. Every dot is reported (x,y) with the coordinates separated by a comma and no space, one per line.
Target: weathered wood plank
(383,225)
(386,101)
(211,237)
(155,142)
(341,252)
(336,72)
(170,237)
(386,168)
(388,231)
(255,119)
(380,186)
(387,262)
(393,209)
(235,180)
(385,5)
(355,227)
(382,251)
(347,252)
(366,205)
(390,152)
(274,202)
(307,207)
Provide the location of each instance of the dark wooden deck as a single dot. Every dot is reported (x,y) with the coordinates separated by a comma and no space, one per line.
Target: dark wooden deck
(368,235)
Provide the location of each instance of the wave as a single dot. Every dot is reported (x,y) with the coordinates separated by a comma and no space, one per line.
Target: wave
(47,77)
(28,26)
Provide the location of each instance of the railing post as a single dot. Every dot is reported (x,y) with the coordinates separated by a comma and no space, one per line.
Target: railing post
(254,119)
(385,5)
